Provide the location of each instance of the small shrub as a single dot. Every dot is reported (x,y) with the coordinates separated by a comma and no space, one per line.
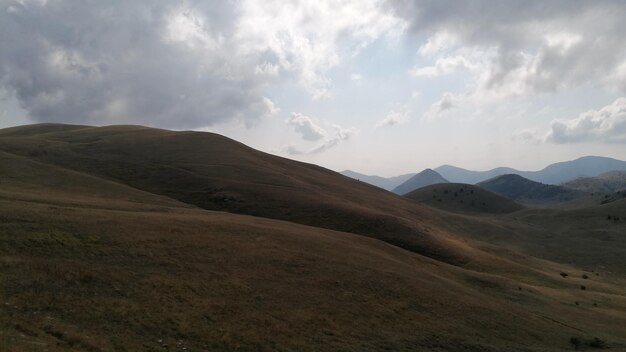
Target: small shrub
(585,276)
(597,343)
(564,274)
(581,344)
(576,342)
(583,287)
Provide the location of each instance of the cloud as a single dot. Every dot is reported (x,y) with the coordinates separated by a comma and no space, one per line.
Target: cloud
(526,47)
(447,102)
(181,64)
(340,134)
(605,125)
(528,136)
(305,126)
(393,118)
(305,39)
(443,66)
(356,77)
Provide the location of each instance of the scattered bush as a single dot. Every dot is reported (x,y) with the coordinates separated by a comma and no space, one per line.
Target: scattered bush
(564,274)
(583,287)
(580,343)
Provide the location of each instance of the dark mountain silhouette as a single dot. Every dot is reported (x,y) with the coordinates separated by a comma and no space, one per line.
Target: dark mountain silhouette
(523,190)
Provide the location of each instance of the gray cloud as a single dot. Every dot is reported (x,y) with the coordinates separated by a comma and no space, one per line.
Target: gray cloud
(181,64)
(605,125)
(157,63)
(539,45)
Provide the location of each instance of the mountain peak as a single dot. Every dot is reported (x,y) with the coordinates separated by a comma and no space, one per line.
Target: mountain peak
(425,178)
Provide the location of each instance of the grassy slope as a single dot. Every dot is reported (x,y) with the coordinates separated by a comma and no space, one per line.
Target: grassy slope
(92,263)
(216,173)
(124,279)
(609,182)
(460,197)
(525,191)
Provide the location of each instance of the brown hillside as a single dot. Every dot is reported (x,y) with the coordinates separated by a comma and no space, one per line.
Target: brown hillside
(460,197)
(124,276)
(100,250)
(217,173)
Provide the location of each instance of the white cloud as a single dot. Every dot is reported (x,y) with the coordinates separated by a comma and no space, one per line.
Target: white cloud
(437,43)
(393,118)
(305,39)
(443,66)
(356,77)
(605,125)
(340,134)
(305,126)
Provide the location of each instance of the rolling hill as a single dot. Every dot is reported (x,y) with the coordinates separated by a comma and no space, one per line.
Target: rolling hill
(425,178)
(460,197)
(518,188)
(132,238)
(609,182)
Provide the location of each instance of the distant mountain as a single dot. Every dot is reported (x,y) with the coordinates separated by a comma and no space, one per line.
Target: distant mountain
(425,178)
(606,183)
(588,166)
(387,183)
(523,190)
(460,175)
(460,197)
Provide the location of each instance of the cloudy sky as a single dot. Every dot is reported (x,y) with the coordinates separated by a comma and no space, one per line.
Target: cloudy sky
(380,87)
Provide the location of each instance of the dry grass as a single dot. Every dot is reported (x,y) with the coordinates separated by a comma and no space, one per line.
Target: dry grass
(91,263)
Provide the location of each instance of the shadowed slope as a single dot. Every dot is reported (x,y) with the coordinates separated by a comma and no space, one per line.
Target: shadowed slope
(460,197)
(525,191)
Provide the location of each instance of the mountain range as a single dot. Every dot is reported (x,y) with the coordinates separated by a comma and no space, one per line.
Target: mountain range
(557,173)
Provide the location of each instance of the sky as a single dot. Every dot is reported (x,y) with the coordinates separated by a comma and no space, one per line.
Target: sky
(379,87)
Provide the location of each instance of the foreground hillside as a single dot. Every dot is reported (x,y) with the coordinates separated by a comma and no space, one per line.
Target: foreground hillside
(92,261)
